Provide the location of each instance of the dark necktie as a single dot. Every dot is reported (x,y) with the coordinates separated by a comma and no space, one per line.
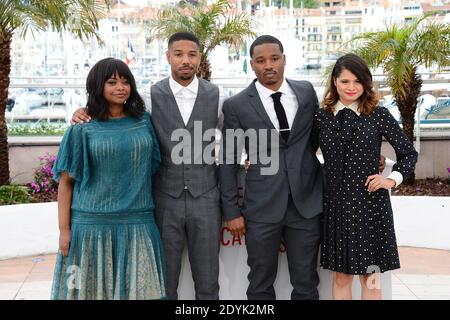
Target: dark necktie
(281,115)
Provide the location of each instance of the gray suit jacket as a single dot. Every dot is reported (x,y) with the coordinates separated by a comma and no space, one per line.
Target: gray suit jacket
(299,173)
(193,174)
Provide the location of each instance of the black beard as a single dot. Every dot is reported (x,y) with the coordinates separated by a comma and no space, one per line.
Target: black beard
(187,78)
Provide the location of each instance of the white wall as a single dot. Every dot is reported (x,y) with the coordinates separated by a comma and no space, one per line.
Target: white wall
(28,229)
(32,229)
(422,221)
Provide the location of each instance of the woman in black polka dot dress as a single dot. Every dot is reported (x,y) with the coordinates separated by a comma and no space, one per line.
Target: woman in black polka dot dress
(359,237)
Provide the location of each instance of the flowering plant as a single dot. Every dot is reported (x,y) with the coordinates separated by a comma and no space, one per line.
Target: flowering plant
(43,176)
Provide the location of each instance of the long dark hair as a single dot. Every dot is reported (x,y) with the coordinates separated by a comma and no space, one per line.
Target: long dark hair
(97,106)
(356,65)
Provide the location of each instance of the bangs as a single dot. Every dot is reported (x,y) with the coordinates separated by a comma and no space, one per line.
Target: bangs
(97,106)
(117,67)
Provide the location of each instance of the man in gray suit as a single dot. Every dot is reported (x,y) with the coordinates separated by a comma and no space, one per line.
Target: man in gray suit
(186,195)
(186,192)
(285,205)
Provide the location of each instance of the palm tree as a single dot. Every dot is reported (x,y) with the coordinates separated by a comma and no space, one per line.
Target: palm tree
(208,23)
(79,17)
(400,51)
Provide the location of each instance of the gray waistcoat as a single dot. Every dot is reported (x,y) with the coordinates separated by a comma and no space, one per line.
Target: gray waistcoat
(193,175)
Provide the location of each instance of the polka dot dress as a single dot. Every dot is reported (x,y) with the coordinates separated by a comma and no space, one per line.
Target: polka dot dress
(359,236)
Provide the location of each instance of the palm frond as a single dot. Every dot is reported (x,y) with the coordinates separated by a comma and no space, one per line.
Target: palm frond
(169,21)
(431,45)
(210,23)
(397,69)
(413,27)
(218,8)
(376,47)
(392,49)
(233,32)
(325,75)
(77,16)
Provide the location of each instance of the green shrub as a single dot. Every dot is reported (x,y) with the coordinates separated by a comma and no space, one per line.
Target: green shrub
(37,129)
(14,194)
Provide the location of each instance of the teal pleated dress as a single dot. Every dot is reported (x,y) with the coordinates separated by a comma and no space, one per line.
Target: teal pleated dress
(115,249)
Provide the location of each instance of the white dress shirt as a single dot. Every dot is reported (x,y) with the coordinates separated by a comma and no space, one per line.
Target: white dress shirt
(394,175)
(288,100)
(185,98)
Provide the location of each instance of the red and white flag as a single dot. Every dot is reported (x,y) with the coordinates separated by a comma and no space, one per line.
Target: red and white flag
(130,53)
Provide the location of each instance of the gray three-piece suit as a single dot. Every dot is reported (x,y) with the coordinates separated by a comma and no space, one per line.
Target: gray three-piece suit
(186,195)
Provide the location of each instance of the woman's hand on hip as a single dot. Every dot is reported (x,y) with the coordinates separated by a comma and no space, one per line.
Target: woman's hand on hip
(377,181)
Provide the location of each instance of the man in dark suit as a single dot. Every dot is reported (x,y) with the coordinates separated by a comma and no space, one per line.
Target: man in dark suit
(284,205)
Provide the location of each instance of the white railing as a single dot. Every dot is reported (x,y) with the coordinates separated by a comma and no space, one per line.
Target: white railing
(34,100)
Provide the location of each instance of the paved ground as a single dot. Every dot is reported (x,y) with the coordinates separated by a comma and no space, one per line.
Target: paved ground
(425,275)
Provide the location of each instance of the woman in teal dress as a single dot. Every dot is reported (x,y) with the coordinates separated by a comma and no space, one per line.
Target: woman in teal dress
(110,247)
